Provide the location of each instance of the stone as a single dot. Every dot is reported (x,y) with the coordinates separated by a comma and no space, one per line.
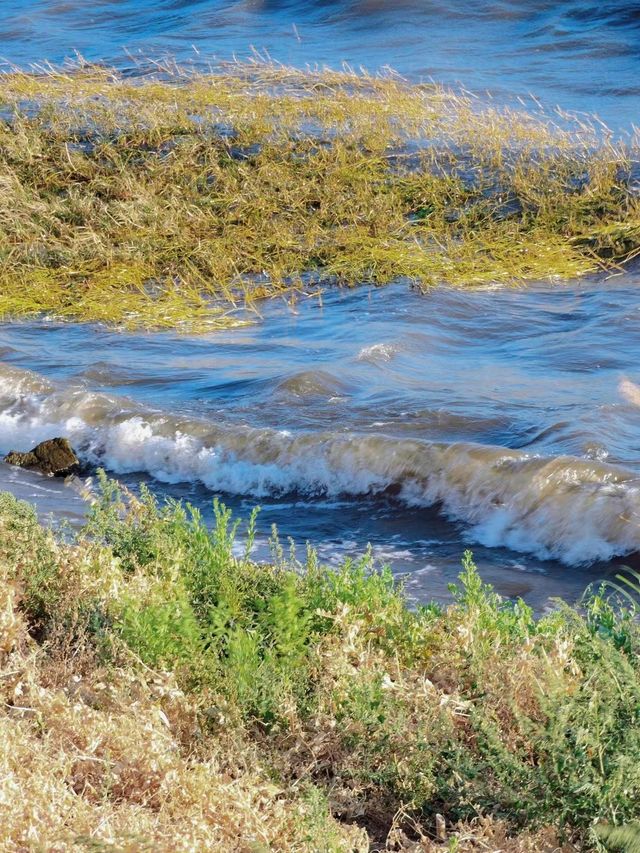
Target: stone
(54,457)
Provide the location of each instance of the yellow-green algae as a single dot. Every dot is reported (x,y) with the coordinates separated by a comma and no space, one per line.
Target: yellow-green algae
(173,199)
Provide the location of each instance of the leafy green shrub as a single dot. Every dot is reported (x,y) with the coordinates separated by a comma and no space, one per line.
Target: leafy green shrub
(31,557)
(383,710)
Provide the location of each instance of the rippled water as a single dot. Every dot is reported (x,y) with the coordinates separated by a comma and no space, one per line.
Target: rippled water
(491,419)
(580,54)
(421,424)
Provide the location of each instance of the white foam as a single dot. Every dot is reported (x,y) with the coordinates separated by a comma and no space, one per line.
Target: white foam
(574,510)
(378,352)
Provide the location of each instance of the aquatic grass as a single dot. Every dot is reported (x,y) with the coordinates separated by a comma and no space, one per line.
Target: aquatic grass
(180,199)
(159,688)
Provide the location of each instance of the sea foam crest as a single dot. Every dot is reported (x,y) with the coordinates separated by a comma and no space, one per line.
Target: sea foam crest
(568,508)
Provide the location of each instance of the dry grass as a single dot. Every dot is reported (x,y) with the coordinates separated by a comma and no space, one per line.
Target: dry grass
(96,759)
(183,198)
(157,692)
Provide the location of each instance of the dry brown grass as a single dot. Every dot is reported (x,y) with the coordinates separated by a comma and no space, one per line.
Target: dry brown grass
(158,692)
(90,757)
(94,758)
(116,758)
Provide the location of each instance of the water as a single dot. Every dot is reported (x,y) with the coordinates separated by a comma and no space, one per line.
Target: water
(582,55)
(424,425)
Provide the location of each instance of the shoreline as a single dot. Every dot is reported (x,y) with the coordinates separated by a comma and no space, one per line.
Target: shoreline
(528,500)
(165,685)
(153,666)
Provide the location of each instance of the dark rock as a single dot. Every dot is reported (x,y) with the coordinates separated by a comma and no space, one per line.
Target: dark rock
(54,457)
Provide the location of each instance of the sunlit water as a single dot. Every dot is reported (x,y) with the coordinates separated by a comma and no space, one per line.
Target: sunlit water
(579,54)
(421,424)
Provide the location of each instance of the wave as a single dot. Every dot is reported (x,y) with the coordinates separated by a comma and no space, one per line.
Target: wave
(567,508)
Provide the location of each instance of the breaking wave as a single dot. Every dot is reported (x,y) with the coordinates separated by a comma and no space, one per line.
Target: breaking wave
(568,508)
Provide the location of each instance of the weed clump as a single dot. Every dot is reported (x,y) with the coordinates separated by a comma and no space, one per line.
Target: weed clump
(161,689)
(180,199)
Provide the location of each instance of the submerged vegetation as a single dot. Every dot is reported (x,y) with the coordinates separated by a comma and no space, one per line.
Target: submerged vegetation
(179,197)
(162,691)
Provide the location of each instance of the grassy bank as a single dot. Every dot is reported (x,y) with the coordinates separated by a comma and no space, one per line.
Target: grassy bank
(171,201)
(160,693)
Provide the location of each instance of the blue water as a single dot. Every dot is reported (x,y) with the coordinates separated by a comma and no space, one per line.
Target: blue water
(581,55)
(507,421)
(496,420)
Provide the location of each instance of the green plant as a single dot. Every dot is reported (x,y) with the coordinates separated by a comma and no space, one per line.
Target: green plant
(360,706)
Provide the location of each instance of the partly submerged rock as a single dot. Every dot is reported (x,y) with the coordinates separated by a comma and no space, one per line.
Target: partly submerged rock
(54,457)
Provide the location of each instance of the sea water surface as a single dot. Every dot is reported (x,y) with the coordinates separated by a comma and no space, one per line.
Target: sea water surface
(490,419)
(423,424)
(580,54)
